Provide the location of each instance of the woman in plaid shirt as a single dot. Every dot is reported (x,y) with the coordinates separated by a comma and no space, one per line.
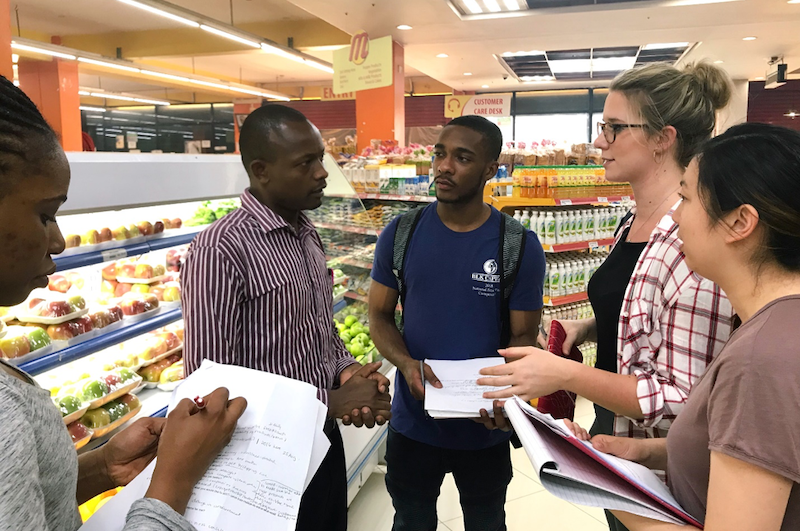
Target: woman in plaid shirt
(657,324)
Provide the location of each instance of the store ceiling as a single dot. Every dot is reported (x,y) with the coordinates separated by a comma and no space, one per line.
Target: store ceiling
(473,46)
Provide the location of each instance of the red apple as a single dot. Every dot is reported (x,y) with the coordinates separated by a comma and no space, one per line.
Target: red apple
(146,228)
(176,223)
(116,313)
(57,309)
(110,271)
(122,288)
(72,240)
(167,223)
(150,302)
(105,235)
(60,332)
(171,339)
(101,318)
(59,283)
(108,286)
(78,431)
(131,401)
(83,324)
(143,271)
(76,279)
(126,271)
(112,380)
(158,227)
(159,345)
(157,290)
(92,237)
(132,307)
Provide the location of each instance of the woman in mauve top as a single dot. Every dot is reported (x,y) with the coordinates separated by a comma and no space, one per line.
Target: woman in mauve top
(733,453)
(42,479)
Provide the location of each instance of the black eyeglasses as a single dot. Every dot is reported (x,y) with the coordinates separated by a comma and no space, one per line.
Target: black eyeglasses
(610,131)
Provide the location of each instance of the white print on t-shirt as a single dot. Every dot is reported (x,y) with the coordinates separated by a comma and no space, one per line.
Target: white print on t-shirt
(488,275)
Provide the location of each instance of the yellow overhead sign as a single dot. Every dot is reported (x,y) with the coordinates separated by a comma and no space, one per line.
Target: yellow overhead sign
(365,64)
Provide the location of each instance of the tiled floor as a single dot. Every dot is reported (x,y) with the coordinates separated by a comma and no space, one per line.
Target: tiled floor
(529,506)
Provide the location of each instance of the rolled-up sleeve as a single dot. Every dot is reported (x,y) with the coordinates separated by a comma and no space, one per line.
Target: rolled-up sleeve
(148,514)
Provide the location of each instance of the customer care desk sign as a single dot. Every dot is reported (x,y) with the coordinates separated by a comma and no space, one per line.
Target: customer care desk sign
(486,105)
(365,64)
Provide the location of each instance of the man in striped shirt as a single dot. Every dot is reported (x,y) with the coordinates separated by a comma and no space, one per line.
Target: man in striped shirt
(257,293)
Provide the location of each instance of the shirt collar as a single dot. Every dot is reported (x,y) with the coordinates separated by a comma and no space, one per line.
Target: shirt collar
(269,220)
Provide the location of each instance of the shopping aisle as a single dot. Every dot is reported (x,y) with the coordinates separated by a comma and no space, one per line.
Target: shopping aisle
(528,508)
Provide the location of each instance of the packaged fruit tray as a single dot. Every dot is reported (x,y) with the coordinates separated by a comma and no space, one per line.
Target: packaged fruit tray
(169,386)
(37,319)
(129,280)
(162,356)
(80,443)
(72,417)
(128,387)
(105,430)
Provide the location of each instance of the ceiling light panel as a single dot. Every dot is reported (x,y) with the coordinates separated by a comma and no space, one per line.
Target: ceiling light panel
(161,13)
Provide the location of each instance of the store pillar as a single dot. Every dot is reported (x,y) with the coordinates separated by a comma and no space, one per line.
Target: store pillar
(5,40)
(381,112)
(53,87)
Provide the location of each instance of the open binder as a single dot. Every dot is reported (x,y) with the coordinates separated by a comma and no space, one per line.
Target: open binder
(574,471)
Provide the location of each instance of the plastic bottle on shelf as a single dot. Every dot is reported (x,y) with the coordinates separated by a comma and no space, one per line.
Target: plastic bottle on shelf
(550,229)
(612,221)
(546,290)
(587,272)
(569,279)
(562,276)
(579,223)
(560,227)
(570,227)
(555,280)
(534,224)
(518,215)
(580,277)
(596,221)
(541,230)
(526,219)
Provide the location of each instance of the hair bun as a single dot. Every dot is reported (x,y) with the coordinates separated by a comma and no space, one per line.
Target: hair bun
(715,82)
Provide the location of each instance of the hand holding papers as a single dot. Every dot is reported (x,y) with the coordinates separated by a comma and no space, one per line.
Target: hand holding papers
(460,395)
(258,479)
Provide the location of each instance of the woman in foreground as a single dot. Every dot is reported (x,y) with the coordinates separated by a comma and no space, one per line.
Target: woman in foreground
(733,453)
(42,479)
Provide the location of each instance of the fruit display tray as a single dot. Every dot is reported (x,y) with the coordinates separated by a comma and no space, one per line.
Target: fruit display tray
(83,442)
(169,386)
(96,403)
(129,280)
(162,356)
(72,417)
(26,318)
(100,432)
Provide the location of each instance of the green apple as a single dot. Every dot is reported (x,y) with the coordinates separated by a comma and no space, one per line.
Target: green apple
(349,347)
(69,405)
(140,288)
(350,320)
(116,410)
(356,329)
(363,338)
(95,389)
(340,327)
(96,418)
(345,336)
(360,359)
(366,330)
(357,349)
(38,338)
(126,375)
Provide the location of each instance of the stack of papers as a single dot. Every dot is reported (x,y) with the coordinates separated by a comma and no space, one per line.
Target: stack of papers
(460,395)
(574,471)
(258,479)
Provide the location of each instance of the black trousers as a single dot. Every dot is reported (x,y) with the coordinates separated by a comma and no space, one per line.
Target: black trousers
(324,503)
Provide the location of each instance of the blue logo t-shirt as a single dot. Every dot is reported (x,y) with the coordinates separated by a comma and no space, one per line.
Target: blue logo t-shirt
(452,311)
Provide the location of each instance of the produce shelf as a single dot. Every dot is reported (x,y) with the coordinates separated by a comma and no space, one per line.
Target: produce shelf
(347,228)
(352,262)
(405,198)
(577,246)
(568,299)
(81,350)
(339,306)
(545,197)
(356,296)
(116,253)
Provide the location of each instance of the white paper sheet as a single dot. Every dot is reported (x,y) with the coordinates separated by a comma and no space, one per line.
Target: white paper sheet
(258,479)
(460,395)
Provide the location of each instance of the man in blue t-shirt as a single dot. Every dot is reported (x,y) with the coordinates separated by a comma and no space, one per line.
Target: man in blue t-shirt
(451,312)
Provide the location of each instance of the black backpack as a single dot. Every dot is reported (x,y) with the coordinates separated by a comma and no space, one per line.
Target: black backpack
(512,247)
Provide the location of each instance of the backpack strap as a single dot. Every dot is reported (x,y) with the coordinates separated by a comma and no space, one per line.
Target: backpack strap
(512,248)
(402,239)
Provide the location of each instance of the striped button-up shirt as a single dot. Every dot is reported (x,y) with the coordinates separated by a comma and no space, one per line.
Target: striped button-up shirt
(257,293)
(673,323)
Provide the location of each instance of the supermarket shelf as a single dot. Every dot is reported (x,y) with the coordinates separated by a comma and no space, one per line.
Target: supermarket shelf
(347,228)
(355,263)
(577,246)
(565,197)
(81,350)
(406,198)
(568,299)
(355,296)
(116,253)
(339,306)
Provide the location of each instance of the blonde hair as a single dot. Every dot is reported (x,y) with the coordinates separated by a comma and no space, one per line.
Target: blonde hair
(686,99)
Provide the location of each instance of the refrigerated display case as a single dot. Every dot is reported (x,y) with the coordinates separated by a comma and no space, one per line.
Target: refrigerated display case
(128,221)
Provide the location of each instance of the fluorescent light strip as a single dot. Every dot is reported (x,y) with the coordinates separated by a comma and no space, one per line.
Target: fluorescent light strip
(283,53)
(613,64)
(230,36)
(492,6)
(161,13)
(566,66)
(91,109)
(665,45)
(43,51)
(512,5)
(109,65)
(120,97)
(220,86)
(319,66)
(473,6)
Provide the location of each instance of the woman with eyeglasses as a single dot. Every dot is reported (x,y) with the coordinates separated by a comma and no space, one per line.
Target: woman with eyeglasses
(657,325)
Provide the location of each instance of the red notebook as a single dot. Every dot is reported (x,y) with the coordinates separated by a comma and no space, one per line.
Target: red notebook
(561,404)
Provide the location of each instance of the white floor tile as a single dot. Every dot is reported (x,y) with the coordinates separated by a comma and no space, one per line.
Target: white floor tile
(583,407)
(542,512)
(371,510)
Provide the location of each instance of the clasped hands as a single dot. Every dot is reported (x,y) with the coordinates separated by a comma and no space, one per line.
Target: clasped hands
(362,398)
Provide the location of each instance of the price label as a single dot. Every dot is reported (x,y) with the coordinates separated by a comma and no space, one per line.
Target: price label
(113,254)
(626,198)
(593,245)
(566,202)
(404,198)
(602,200)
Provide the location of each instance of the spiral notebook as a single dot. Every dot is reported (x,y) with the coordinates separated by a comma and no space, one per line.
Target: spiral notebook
(574,471)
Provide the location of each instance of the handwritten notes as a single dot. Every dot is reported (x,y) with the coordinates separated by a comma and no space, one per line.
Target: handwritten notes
(460,395)
(258,479)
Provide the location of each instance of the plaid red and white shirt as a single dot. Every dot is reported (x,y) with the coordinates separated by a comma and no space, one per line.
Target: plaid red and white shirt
(673,323)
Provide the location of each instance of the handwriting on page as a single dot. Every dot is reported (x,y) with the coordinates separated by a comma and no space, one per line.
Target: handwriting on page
(460,392)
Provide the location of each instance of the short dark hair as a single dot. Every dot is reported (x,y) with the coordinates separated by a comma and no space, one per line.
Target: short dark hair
(257,129)
(758,165)
(24,133)
(491,133)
